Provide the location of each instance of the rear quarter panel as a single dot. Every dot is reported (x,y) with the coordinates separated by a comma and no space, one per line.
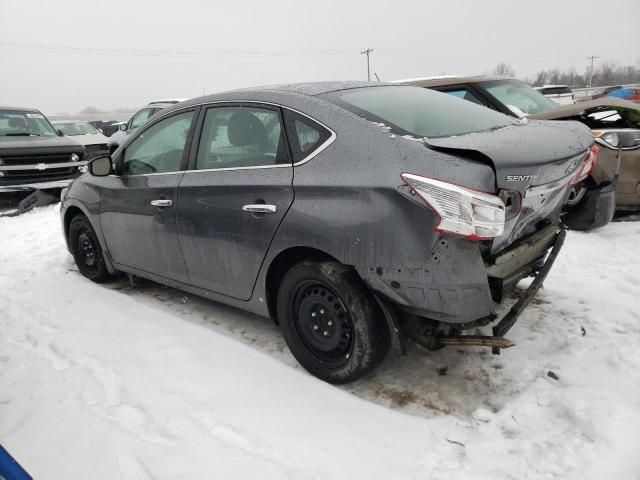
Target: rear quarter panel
(351,203)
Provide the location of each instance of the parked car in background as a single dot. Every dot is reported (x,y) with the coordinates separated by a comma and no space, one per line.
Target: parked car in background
(615,124)
(626,93)
(95,143)
(141,116)
(107,128)
(346,212)
(518,99)
(33,155)
(561,94)
(606,91)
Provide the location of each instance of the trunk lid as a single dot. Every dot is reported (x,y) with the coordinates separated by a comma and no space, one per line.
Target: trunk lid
(536,159)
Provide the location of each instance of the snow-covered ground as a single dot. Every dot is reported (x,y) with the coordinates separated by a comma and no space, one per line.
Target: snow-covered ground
(144,382)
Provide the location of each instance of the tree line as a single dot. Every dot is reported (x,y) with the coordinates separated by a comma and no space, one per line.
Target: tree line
(606,73)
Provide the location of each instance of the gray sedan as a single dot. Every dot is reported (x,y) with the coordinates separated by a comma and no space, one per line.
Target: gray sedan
(352,214)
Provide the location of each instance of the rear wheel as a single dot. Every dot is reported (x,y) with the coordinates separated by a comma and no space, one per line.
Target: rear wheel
(87,251)
(331,322)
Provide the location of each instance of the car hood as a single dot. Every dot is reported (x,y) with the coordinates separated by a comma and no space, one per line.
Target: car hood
(91,139)
(582,108)
(20,145)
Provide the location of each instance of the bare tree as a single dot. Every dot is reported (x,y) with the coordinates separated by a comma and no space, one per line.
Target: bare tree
(540,78)
(504,70)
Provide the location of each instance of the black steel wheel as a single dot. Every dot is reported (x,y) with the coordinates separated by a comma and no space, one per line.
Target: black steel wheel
(86,250)
(331,322)
(322,322)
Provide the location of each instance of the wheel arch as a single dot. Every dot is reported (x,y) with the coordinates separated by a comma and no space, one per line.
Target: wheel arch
(74,209)
(279,267)
(72,212)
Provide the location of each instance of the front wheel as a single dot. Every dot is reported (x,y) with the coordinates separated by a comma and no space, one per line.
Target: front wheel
(87,251)
(331,322)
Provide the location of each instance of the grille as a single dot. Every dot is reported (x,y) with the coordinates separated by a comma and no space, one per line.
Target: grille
(49,172)
(32,177)
(10,160)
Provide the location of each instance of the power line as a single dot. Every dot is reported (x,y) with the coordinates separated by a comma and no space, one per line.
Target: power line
(59,49)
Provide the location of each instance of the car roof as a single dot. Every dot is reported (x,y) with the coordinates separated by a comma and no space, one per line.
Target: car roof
(20,109)
(310,89)
(443,80)
(552,86)
(313,89)
(169,101)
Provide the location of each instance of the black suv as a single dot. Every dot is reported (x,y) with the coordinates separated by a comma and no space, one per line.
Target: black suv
(33,155)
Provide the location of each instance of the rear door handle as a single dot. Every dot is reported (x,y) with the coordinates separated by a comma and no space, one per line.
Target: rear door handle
(161,203)
(259,208)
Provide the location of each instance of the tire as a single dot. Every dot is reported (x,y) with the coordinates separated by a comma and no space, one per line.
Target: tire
(331,322)
(87,251)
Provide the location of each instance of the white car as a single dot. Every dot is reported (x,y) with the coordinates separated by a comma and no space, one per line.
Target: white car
(95,143)
(561,94)
(138,119)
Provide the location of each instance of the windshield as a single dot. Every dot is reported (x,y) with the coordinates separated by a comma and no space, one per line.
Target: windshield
(24,124)
(79,128)
(419,111)
(517,94)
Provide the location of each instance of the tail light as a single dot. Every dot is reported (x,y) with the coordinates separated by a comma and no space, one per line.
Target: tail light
(587,164)
(472,214)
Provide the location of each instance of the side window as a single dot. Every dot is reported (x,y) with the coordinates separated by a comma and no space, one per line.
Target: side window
(305,135)
(241,137)
(139,118)
(465,94)
(159,148)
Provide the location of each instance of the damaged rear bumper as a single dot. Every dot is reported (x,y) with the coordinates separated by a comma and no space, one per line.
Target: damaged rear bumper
(505,324)
(533,257)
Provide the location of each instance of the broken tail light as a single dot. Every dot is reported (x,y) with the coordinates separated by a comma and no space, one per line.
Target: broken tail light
(587,164)
(462,211)
(512,203)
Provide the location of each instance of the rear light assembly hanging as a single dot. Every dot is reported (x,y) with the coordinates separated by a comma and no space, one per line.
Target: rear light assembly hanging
(462,211)
(512,200)
(587,164)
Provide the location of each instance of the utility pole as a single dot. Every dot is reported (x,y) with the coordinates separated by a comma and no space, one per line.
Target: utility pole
(367,52)
(593,59)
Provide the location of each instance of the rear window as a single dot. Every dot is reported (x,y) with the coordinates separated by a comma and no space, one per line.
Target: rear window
(554,90)
(418,111)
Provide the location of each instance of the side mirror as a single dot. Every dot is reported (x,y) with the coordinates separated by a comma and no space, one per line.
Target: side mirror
(100,167)
(123,127)
(60,133)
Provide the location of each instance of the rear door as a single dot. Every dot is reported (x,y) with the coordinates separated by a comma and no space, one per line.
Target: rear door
(138,206)
(233,198)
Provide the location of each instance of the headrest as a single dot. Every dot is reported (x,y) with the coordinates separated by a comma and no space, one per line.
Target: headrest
(245,128)
(18,122)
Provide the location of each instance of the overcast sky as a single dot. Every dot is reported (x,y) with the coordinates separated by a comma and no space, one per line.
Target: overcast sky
(64,55)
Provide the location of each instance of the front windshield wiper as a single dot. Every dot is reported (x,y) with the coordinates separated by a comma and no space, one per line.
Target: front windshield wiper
(21,134)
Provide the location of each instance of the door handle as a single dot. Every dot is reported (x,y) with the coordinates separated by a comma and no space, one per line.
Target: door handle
(259,208)
(161,203)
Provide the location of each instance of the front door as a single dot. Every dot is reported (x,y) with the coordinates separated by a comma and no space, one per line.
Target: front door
(138,206)
(232,201)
